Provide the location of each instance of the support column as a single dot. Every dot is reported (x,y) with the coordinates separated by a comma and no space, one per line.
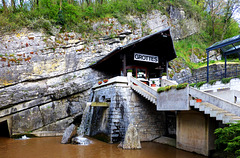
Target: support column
(207,66)
(167,68)
(225,66)
(124,65)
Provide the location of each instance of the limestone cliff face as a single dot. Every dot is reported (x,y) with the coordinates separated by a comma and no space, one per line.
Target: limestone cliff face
(46,80)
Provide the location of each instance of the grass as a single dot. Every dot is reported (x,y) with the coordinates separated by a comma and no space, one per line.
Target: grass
(74,16)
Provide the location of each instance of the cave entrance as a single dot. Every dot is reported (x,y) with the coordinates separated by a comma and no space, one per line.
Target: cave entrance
(4,132)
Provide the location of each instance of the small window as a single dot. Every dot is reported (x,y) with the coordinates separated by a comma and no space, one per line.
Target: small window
(141,73)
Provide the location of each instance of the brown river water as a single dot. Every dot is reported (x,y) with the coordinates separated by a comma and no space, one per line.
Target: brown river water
(50,147)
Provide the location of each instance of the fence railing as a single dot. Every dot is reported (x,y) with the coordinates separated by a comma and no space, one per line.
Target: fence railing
(216,75)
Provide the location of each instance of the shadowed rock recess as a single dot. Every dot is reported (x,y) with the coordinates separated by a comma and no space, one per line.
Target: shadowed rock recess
(46,80)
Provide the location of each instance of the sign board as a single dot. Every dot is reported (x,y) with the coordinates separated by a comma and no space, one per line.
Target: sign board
(146,58)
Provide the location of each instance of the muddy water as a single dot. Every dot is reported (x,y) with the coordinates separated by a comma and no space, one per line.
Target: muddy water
(50,147)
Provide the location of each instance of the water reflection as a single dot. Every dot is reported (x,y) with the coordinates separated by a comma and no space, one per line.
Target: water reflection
(50,147)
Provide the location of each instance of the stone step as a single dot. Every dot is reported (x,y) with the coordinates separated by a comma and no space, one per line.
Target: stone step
(214,111)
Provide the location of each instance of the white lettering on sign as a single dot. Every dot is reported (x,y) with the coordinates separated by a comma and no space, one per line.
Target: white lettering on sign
(146,58)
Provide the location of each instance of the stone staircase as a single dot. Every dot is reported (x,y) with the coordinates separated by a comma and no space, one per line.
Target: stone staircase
(214,111)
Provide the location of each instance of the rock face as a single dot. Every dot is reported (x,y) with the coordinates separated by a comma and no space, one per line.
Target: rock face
(69,133)
(46,80)
(131,140)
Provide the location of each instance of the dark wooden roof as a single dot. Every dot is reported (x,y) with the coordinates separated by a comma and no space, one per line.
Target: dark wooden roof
(159,44)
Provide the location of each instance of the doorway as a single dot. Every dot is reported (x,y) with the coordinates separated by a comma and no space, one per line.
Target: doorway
(4,132)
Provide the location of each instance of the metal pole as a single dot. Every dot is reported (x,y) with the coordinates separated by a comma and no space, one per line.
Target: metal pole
(225,66)
(207,66)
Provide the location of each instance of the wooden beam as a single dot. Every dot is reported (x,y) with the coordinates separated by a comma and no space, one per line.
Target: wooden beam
(100,104)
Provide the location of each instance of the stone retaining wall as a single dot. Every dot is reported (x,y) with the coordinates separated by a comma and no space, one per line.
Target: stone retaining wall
(216,71)
(126,106)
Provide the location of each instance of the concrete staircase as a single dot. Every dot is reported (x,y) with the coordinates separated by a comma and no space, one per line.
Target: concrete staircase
(145,94)
(214,111)
(144,90)
(219,108)
(216,107)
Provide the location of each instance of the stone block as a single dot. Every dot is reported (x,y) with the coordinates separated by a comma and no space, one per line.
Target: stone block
(27,120)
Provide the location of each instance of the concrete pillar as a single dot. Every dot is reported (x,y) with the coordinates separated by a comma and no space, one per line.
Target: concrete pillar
(193,132)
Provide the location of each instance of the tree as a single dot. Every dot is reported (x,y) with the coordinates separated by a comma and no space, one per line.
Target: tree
(228,139)
(13,5)
(220,16)
(4,6)
(230,8)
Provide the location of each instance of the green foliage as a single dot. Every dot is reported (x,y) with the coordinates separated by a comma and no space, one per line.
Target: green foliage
(228,139)
(129,70)
(192,84)
(199,84)
(174,87)
(164,74)
(212,82)
(161,89)
(167,88)
(226,80)
(182,86)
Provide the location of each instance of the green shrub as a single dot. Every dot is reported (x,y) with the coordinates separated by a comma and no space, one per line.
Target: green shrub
(192,84)
(173,87)
(199,84)
(129,70)
(164,74)
(161,89)
(226,80)
(228,139)
(182,86)
(212,82)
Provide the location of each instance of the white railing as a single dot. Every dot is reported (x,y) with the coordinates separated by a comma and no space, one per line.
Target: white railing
(143,86)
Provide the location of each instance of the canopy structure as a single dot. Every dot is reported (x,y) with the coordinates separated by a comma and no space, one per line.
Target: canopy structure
(158,45)
(227,46)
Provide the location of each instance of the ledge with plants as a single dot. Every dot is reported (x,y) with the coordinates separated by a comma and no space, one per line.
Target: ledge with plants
(167,88)
(213,82)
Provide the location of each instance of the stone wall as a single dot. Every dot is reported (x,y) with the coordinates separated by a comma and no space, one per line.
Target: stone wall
(216,71)
(126,106)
